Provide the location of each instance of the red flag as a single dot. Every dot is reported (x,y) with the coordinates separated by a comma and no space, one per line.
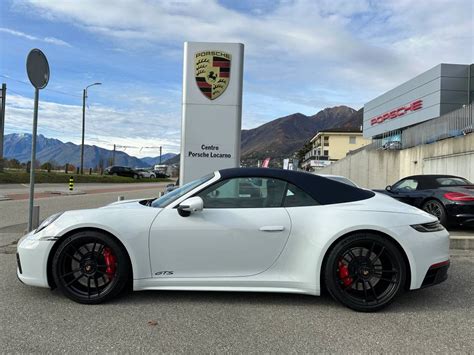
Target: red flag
(265,163)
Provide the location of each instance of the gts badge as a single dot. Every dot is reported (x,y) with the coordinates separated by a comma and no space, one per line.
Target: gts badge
(164,273)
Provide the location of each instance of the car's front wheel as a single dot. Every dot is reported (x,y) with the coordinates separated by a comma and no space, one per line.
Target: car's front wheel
(436,208)
(364,272)
(90,267)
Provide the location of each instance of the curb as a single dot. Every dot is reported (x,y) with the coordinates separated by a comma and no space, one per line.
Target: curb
(66,192)
(463,243)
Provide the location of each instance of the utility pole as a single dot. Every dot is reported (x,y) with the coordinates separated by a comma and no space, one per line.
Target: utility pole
(84,93)
(84,97)
(2,122)
(113,156)
(160,154)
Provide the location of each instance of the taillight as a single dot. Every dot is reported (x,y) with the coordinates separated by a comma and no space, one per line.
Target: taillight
(458,196)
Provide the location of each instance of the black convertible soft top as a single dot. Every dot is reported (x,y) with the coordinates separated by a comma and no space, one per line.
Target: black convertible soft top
(323,190)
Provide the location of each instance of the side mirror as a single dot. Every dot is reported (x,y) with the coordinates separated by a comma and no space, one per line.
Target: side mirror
(191,205)
(388,188)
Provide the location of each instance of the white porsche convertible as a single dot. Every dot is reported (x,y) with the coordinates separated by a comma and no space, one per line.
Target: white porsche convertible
(247,229)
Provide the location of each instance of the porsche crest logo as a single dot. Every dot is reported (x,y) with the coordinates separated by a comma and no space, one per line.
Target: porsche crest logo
(212,72)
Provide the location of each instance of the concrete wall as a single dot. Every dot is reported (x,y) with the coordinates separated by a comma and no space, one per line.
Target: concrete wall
(376,169)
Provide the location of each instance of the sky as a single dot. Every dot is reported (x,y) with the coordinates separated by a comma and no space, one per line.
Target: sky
(300,56)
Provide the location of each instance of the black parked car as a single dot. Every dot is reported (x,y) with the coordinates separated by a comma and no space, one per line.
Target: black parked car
(122,171)
(450,198)
(160,175)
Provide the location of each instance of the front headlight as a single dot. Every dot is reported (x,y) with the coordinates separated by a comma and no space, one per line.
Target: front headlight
(428,227)
(48,221)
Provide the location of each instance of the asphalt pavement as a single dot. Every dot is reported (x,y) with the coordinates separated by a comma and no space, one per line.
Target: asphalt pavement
(14,213)
(438,319)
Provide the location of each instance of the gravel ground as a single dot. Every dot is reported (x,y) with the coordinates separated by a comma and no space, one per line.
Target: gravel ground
(436,319)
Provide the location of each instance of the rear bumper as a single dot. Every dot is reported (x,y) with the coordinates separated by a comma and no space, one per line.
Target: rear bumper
(436,274)
(423,250)
(462,214)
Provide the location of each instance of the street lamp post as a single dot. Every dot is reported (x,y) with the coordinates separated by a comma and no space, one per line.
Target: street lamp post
(84,97)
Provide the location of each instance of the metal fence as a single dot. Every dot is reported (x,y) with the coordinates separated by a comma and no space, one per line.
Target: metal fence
(456,123)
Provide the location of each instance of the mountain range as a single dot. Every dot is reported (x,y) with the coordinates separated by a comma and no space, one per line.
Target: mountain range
(284,136)
(18,146)
(277,139)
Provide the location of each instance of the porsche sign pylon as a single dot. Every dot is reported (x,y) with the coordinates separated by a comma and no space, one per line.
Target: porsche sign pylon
(212,108)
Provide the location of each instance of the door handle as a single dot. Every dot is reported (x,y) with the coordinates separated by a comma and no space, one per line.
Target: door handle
(272,228)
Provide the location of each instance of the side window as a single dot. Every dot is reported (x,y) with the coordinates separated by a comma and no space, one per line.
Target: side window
(253,192)
(295,197)
(406,185)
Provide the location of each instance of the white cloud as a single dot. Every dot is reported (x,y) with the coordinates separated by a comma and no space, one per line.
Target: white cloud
(339,45)
(300,55)
(52,40)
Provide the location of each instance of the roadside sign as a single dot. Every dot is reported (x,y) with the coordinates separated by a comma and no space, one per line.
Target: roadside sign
(37,68)
(2,121)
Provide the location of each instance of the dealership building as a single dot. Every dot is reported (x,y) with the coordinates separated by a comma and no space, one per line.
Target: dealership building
(434,105)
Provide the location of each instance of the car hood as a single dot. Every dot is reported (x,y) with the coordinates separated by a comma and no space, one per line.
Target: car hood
(129,203)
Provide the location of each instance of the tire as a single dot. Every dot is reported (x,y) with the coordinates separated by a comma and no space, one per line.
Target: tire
(152,176)
(364,272)
(90,267)
(437,209)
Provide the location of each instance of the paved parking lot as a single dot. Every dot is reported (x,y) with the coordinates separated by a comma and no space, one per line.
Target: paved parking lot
(436,319)
(14,213)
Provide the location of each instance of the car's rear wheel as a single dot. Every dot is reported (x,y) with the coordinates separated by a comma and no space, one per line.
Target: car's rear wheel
(90,267)
(436,208)
(365,272)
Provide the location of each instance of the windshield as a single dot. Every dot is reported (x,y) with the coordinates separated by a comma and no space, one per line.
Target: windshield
(165,200)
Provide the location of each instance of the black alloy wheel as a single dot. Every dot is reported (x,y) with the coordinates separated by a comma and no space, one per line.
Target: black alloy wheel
(90,267)
(365,272)
(436,208)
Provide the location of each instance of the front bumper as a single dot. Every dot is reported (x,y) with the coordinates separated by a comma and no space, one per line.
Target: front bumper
(32,260)
(436,274)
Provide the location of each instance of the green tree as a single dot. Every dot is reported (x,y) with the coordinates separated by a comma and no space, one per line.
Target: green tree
(13,164)
(47,166)
(302,152)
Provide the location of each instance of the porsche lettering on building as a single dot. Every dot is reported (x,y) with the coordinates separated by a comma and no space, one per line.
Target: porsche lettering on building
(411,107)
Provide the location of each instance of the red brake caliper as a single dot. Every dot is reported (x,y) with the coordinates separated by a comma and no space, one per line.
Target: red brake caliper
(110,262)
(344,273)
